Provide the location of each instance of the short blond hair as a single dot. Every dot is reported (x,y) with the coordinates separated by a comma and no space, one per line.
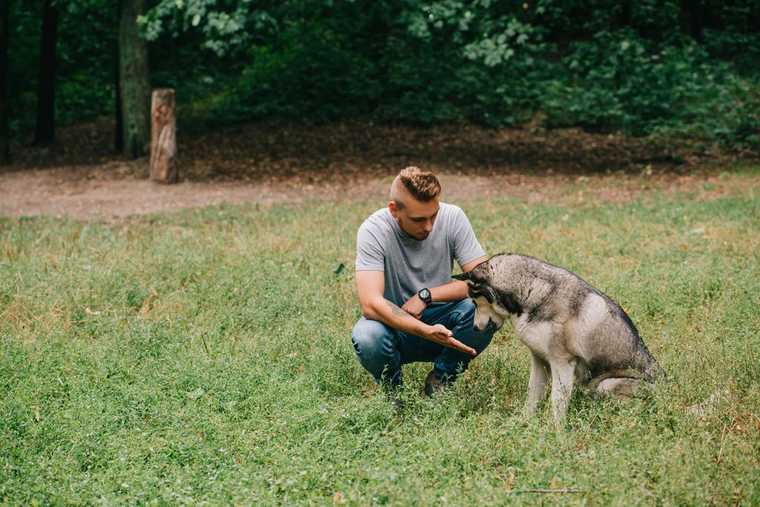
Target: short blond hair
(422,185)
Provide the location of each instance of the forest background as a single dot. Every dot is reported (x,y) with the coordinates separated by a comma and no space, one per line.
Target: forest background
(686,70)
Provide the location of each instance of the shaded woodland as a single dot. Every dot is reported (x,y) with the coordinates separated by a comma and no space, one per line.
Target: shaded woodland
(675,69)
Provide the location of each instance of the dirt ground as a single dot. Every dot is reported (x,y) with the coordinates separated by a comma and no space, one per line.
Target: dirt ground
(53,192)
(81,178)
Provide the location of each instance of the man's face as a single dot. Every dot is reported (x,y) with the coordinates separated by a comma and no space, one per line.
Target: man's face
(415,218)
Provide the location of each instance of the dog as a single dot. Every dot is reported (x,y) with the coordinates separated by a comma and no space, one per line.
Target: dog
(575,333)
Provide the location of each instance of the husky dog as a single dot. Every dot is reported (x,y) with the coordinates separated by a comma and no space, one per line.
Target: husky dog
(574,331)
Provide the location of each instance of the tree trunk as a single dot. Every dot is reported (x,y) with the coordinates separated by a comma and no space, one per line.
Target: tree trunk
(713,15)
(626,14)
(163,140)
(133,78)
(5,155)
(44,133)
(118,138)
(693,19)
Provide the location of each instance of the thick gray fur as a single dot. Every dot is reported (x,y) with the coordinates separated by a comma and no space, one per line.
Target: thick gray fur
(575,333)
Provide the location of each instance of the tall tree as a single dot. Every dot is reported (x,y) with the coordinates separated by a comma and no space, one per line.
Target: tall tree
(118,140)
(45,130)
(693,18)
(5,155)
(134,85)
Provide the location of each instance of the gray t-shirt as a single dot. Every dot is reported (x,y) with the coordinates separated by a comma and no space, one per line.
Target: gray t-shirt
(410,264)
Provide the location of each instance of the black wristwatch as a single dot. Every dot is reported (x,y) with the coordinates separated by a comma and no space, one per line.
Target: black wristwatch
(425,296)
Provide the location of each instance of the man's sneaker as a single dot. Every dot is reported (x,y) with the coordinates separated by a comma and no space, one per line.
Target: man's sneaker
(435,384)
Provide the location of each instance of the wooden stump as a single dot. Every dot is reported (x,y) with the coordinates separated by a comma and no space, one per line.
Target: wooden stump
(163,139)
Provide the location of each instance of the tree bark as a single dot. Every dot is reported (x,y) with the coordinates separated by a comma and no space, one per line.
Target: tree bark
(133,79)
(118,137)
(693,19)
(626,14)
(5,154)
(163,139)
(44,133)
(713,14)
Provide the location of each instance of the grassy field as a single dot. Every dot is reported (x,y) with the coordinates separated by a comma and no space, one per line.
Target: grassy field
(204,357)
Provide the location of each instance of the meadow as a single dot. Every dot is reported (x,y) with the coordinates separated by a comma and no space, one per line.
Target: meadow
(203,357)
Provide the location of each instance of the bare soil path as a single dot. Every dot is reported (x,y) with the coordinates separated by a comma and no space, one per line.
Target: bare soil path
(269,164)
(54,192)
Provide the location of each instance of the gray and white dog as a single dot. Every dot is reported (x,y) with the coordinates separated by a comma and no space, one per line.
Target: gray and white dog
(574,331)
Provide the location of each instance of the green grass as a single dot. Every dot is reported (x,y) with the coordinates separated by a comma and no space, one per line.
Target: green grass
(204,357)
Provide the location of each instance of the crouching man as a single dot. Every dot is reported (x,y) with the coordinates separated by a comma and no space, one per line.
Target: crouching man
(412,309)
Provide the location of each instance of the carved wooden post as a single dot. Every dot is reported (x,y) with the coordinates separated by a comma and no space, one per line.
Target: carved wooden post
(163,139)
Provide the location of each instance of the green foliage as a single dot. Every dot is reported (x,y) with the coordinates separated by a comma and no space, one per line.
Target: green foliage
(642,68)
(618,81)
(226,26)
(313,73)
(204,357)
(495,64)
(393,68)
(85,87)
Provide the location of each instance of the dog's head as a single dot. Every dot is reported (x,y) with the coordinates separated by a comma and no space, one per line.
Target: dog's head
(488,304)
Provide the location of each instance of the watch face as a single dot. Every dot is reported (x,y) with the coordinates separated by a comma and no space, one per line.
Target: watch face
(425,295)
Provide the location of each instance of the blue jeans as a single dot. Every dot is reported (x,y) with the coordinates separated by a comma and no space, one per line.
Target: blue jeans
(382,350)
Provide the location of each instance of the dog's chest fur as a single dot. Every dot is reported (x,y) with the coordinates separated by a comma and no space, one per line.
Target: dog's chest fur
(566,334)
(536,335)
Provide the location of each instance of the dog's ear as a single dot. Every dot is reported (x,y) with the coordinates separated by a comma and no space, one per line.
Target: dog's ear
(462,276)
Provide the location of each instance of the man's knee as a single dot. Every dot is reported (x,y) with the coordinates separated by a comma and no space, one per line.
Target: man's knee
(375,347)
(370,338)
(463,315)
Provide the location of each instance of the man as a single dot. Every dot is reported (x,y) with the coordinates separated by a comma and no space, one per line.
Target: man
(412,309)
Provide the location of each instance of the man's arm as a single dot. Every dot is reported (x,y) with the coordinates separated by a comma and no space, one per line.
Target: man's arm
(456,289)
(370,286)
(452,291)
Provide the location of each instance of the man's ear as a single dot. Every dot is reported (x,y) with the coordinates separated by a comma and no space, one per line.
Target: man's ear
(462,276)
(393,208)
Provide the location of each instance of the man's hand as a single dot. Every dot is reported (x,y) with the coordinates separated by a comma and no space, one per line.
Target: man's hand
(441,335)
(414,306)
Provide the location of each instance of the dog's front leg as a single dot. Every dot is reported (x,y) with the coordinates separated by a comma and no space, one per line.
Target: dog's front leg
(539,376)
(563,377)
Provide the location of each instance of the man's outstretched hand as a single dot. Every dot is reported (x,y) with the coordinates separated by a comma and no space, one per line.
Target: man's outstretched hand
(438,333)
